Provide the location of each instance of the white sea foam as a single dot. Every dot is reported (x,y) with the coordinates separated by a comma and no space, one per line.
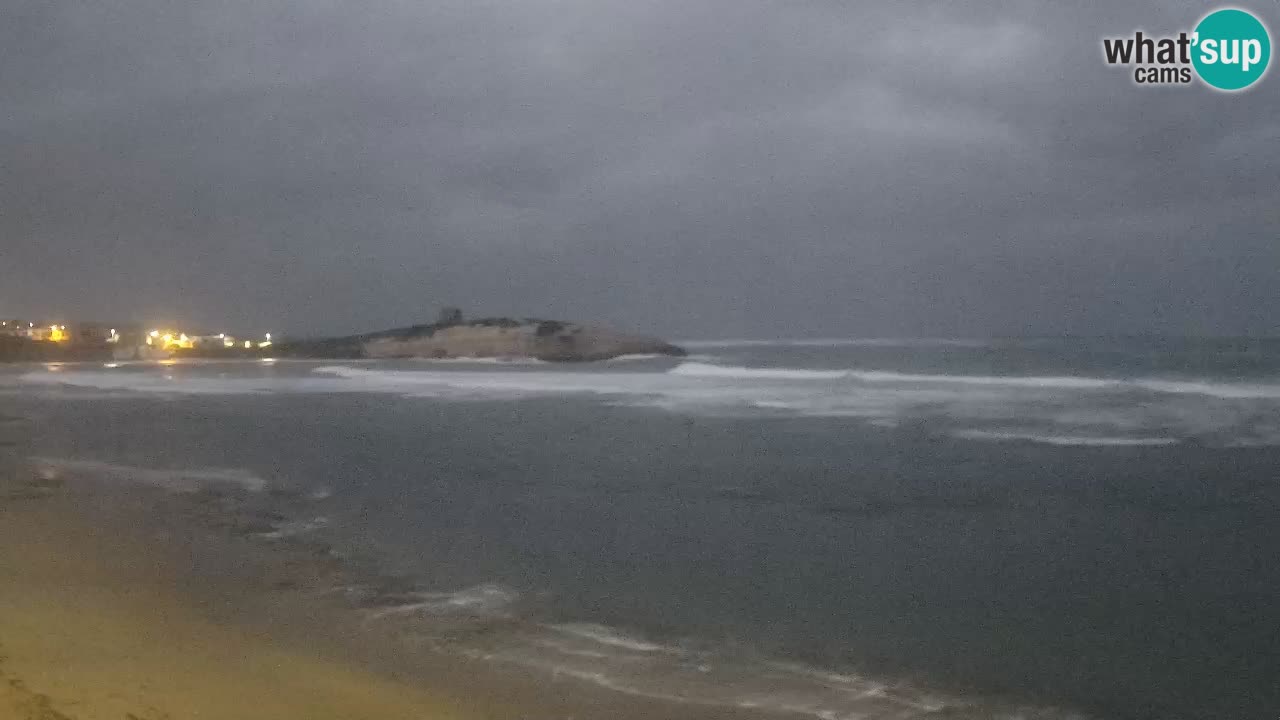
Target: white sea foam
(875,376)
(607,636)
(837,342)
(295,528)
(708,678)
(569,649)
(1053,382)
(635,357)
(703,676)
(1066,440)
(705,370)
(378,380)
(1232,391)
(1063,410)
(481,361)
(179,480)
(486,600)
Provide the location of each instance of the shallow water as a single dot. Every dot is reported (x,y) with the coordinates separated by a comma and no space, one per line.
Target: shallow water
(898,529)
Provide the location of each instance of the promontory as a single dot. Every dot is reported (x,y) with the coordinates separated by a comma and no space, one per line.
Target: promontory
(505,338)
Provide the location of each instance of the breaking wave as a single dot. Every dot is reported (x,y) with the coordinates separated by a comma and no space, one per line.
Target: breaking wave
(838,342)
(487,622)
(607,636)
(1221,390)
(481,361)
(183,480)
(694,369)
(1067,440)
(1055,410)
(1233,391)
(720,677)
(487,601)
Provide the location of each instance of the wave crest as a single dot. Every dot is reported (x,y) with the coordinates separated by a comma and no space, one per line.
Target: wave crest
(181,480)
(706,370)
(1055,410)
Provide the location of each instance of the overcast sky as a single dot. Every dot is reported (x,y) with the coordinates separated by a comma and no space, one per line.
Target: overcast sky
(693,168)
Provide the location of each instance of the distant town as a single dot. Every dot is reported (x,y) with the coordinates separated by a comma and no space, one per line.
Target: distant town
(22,340)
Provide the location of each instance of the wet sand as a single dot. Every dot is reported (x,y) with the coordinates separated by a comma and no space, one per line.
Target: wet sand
(88,630)
(134,603)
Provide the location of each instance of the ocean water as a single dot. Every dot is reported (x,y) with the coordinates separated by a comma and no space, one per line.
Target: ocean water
(884,528)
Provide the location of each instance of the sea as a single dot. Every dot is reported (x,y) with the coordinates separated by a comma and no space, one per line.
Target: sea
(837,529)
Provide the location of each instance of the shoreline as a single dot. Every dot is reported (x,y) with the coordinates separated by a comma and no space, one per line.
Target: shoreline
(120,600)
(88,630)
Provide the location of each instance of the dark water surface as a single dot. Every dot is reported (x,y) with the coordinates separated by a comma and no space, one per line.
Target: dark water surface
(1096,535)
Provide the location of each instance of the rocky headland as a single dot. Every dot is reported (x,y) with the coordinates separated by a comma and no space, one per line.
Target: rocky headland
(549,340)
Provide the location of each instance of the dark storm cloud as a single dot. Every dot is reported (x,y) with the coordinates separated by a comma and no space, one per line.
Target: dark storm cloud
(725,167)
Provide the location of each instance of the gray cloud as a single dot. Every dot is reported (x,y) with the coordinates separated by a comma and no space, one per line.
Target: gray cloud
(724,167)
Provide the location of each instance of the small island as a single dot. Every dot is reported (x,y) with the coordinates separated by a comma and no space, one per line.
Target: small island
(453,337)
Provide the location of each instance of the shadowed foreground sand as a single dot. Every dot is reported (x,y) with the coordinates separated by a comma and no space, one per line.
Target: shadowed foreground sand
(86,634)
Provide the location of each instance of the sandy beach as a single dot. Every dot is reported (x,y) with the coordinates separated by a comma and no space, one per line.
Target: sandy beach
(126,601)
(89,630)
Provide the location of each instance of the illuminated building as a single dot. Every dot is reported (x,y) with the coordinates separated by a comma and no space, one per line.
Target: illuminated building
(47,333)
(169,340)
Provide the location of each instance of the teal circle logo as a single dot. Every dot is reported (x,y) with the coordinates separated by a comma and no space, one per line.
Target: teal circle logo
(1232,49)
